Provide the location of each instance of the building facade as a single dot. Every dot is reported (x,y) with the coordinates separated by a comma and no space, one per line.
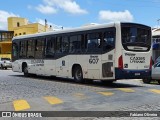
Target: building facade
(21,26)
(17,26)
(6,43)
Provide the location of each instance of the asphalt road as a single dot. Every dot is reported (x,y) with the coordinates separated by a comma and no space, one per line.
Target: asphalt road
(18,93)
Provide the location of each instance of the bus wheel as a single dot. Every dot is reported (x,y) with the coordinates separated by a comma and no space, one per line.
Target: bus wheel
(107,81)
(78,75)
(25,71)
(146,80)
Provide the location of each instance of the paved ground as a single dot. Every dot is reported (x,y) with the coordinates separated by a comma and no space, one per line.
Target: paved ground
(18,93)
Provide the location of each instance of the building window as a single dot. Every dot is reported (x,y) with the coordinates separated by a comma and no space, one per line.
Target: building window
(15,34)
(18,24)
(19,33)
(24,33)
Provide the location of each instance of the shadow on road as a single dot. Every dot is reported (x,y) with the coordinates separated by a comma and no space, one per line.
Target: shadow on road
(96,83)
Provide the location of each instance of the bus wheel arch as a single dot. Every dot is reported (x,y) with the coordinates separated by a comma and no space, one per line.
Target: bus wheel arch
(77,73)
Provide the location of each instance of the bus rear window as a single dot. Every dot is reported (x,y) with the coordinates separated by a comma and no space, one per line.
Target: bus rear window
(136,38)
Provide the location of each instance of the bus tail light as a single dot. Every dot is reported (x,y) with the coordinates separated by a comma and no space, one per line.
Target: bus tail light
(150,67)
(120,62)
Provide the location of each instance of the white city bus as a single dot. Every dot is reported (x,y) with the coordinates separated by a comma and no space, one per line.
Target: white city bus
(105,52)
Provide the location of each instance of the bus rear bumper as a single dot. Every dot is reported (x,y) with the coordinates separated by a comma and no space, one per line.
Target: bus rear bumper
(132,74)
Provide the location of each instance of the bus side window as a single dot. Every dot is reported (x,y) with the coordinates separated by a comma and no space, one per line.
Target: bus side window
(65,45)
(49,53)
(94,42)
(75,44)
(22,49)
(30,49)
(39,45)
(109,40)
(58,44)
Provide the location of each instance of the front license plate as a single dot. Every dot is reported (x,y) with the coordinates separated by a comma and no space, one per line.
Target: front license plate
(136,74)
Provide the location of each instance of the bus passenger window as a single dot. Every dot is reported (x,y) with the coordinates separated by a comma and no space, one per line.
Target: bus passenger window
(30,50)
(22,49)
(94,42)
(109,41)
(39,44)
(50,48)
(65,45)
(75,44)
(59,45)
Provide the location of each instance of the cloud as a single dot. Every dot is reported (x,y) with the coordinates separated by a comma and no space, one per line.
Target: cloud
(3,19)
(52,6)
(108,16)
(46,9)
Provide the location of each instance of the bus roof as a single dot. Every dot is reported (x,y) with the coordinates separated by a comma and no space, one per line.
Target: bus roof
(83,28)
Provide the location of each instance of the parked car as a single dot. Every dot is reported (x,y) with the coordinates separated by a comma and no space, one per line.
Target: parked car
(155,73)
(5,63)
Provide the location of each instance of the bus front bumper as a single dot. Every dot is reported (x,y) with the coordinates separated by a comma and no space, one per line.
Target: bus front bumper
(132,74)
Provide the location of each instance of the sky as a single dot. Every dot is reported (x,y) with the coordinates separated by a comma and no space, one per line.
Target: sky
(76,13)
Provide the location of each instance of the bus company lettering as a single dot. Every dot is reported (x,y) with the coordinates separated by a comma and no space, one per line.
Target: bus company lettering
(130,54)
(137,59)
(93,59)
(38,62)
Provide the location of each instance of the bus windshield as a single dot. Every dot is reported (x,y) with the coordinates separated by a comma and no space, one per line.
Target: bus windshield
(136,37)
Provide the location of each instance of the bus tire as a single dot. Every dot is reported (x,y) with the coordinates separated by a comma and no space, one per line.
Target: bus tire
(107,81)
(147,81)
(25,71)
(78,74)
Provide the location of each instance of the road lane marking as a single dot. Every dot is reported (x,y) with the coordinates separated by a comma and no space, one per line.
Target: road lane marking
(106,93)
(20,105)
(53,100)
(80,95)
(155,91)
(126,89)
